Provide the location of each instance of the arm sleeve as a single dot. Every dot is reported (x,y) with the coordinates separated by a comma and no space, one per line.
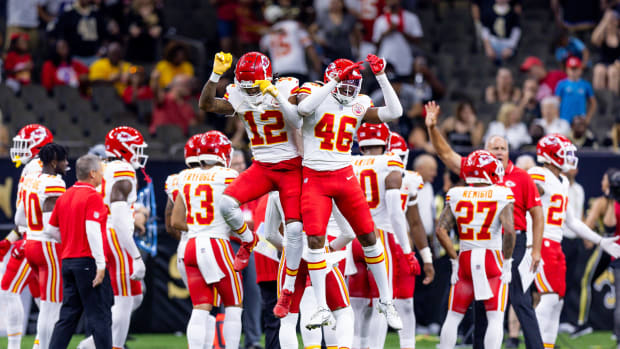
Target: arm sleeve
(95,241)
(273,219)
(393,109)
(346,232)
(20,215)
(398,219)
(289,110)
(310,103)
(122,223)
(580,228)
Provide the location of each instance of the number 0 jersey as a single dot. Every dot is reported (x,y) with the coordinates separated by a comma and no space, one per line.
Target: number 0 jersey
(554,200)
(202,191)
(412,182)
(328,132)
(36,188)
(172,186)
(476,211)
(271,139)
(113,172)
(371,172)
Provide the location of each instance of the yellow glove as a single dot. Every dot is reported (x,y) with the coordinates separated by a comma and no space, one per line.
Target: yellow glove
(266,87)
(18,161)
(222,62)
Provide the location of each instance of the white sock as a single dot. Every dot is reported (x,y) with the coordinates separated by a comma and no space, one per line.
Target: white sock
(549,317)
(378,328)
(407,334)
(14,318)
(48,315)
(288,331)
(294,248)
(87,343)
(495,330)
(317,270)
(137,302)
(196,335)
(121,319)
(345,319)
(375,259)
(232,327)
(447,338)
(307,307)
(36,343)
(363,312)
(229,208)
(210,330)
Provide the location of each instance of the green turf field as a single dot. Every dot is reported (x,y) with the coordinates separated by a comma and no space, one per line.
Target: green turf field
(596,340)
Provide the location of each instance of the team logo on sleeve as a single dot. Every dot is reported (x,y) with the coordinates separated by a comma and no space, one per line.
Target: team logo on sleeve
(358,109)
(510,184)
(96,215)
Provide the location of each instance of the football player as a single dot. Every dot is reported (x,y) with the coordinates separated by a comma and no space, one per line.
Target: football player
(208,254)
(331,115)
(556,153)
(190,152)
(26,146)
(270,121)
(42,248)
(483,268)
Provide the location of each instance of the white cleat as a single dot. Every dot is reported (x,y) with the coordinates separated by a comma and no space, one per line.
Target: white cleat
(322,317)
(391,315)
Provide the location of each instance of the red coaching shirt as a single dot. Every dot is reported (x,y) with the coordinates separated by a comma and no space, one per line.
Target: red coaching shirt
(78,204)
(523,188)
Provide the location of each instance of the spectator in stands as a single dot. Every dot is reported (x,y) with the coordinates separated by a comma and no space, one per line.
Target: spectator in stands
(606,37)
(175,63)
(547,81)
(172,107)
(145,29)
(463,129)
(395,34)
(84,29)
(426,84)
(613,138)
(580,135)
(334,31)
(500,31)
(62,69)
(509,126)
(528,105)
(566,46)
(576,94)
(407,96)
(250,26)
(551,121)
(18,63)
(4,140)
(226,12)
(576,15)
(536,132)
(504,89)
(288,44)
(111,70)
(138,88)
(23,17)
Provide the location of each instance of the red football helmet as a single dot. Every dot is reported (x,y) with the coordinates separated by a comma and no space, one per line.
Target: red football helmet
(557,150)
(190,152)
(346,90)
(251,67)
(482,167)
(373,134)
(126,143)
(28,142)
(399,146)
(214,146)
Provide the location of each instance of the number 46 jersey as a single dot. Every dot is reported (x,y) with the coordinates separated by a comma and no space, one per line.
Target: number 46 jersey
(271,139)
(201,191)
(476,211)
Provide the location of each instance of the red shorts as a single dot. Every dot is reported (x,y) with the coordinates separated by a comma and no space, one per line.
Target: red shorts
(120,267)
(462,293)
(261,178)
(229,288)
(336,291)
(44,260)
(18,274)
(404,277)
(552,277)
(318,190)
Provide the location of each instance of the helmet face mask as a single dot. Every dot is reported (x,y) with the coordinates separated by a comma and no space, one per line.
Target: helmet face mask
(558,151)
(347,90)
(250,92)
(28,142)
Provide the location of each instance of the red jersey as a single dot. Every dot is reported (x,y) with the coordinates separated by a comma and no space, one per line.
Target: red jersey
(266,268)
(78,204)
(524,190)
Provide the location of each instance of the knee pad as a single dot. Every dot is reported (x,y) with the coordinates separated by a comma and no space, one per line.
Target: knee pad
(294,232)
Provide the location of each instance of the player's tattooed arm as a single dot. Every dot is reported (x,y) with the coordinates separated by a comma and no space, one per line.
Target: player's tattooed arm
(444,151)
(445,224)
(178,218)
(506,217)
(209,103)
(175,233)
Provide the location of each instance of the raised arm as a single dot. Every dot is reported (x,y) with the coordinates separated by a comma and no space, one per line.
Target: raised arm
(392,109)
(208,102)
(506,217)
(450,158)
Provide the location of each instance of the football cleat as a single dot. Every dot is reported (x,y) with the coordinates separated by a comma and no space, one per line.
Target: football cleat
(322,317)
(284,303)
(391,315)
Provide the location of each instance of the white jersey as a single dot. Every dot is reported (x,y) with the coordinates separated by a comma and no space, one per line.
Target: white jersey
(36,188)
(328,132)
(202,191)
(477,211)
(271,139)
(371,172)
(412,182)
(286,43)
(113,172)
(554,200)
(34,166)
(172,190)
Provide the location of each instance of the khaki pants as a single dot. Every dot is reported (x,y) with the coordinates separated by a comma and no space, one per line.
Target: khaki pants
(33,33)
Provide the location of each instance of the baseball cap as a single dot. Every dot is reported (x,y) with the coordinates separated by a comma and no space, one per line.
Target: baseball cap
(529,62)
(573,62)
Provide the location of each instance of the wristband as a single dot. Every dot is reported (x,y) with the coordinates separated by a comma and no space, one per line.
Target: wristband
(215,77)
(426,255)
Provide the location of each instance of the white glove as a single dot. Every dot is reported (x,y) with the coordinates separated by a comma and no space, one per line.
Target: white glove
(138,269)
(610,246)
(507,271)
(455,271)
